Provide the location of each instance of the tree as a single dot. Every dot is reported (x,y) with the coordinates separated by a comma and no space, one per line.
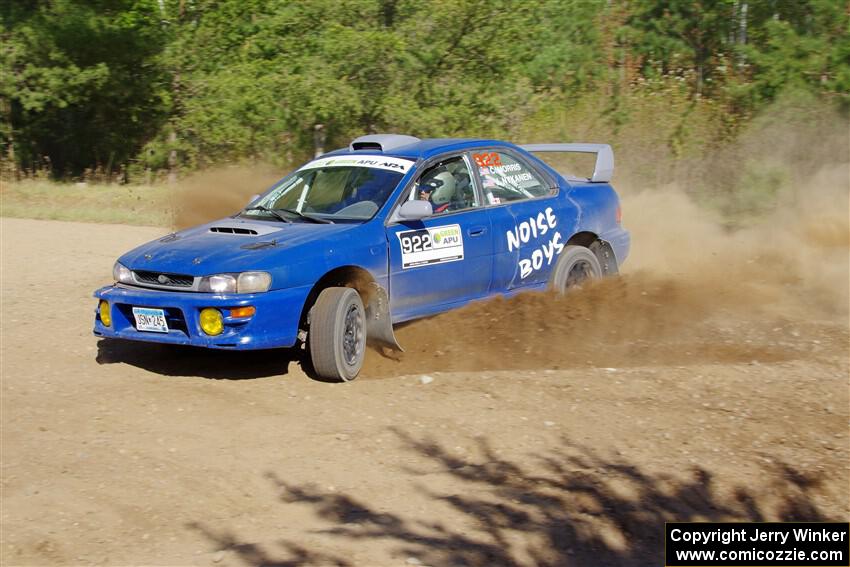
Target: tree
(683,37)
(81,82)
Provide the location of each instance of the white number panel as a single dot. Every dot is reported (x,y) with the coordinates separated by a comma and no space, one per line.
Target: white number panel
(427,246)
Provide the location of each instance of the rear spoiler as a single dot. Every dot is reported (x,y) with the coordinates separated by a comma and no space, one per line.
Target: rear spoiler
(604,170)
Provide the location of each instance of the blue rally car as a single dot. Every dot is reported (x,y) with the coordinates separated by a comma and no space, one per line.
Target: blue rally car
(390,229)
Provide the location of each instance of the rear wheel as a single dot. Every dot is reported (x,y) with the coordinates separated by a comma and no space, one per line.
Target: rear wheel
(337,334)
(576,265)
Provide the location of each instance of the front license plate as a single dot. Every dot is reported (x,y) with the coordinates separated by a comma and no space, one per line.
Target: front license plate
(150,319)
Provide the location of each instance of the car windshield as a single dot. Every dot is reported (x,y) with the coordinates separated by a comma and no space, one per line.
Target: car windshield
(349,188)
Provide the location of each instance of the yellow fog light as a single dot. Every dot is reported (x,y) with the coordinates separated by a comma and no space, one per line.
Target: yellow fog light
(211,321)
(105,315)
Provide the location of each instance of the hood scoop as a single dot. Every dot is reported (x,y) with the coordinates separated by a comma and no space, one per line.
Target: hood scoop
(233,230)
(241,228)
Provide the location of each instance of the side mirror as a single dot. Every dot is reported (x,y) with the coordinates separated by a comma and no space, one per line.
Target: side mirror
(415,210)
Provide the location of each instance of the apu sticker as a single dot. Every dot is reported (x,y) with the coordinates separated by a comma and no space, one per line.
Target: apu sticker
(431,246)
(379,162)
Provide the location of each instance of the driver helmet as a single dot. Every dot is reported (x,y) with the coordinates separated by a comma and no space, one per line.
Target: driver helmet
(441,188)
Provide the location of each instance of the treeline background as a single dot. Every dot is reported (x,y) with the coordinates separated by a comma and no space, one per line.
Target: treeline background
(140,90)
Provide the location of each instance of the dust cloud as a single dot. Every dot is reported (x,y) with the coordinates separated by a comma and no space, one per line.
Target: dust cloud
(703,284)
(219,192)
(793,261)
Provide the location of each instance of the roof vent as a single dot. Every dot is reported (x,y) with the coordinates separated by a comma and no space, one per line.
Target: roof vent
(382,142)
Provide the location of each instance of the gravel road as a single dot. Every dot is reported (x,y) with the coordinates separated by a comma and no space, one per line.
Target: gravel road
(571,453)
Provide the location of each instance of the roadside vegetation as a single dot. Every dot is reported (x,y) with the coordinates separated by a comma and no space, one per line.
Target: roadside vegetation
(141,94)
(119,204)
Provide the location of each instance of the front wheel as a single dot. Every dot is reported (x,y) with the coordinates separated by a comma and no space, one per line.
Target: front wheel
(337,334)
(576,265)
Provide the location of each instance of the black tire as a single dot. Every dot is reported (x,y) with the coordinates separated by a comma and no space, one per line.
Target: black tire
(576,264)
(337,334)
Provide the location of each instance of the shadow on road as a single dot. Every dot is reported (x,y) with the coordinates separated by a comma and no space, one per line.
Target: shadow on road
(571,506)
(177,360)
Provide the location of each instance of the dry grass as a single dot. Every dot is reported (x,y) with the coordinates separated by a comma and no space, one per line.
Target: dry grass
(116,204)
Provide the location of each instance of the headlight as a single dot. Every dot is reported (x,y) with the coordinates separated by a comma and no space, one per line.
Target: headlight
(120,273)
(246,282)
(252,282)
(222,283)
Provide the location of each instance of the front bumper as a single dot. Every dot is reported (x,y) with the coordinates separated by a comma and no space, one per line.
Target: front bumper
(274,324)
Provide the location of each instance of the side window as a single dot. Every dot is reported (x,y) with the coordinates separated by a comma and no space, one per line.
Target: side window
(447,185)
(505,178)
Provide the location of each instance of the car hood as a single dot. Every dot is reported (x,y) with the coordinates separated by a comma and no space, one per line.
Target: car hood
(234,245)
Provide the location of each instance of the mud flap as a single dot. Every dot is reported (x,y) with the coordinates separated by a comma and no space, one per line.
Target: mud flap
(605,254)
(379,325)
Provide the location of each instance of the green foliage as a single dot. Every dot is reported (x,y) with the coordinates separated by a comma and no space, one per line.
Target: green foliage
(80,82)
(433,69)
(154,85)
(809,48)
(678,36)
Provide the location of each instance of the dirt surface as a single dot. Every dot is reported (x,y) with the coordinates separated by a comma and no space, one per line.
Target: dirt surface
(534,431)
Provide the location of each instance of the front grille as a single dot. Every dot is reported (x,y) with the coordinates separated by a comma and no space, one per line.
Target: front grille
(163,279)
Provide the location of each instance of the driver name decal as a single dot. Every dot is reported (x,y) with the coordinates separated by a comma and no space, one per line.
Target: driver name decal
(426,246)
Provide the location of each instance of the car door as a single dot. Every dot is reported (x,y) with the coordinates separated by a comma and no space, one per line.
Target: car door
(530,220)
(446,259)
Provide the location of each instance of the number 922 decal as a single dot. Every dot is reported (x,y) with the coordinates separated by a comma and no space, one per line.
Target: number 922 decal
(431,246)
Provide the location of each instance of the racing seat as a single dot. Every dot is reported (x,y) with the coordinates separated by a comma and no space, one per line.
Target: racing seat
(464,193)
